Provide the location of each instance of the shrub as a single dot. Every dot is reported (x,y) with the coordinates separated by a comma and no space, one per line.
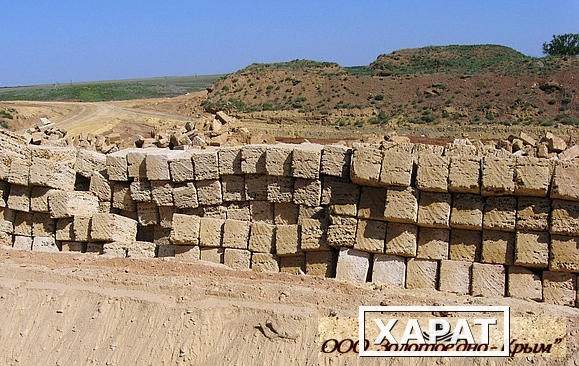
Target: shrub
(379,97)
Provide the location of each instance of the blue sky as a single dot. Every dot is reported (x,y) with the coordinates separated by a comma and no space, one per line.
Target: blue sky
(62,40)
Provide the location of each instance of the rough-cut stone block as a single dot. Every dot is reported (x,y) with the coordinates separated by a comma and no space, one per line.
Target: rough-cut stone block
(342,231)
(389,270)
(280,189)
(94,248)
(261,211)
(372,203)
(340,192)
(465,245)
(100,187)
(253,159)
(54,174)
(353,265)
(81,227)
(524,284)
(233,188)
(401,239)
(498,247)
(464,174)
(467,212)
(113,227)
(559,288)
(162,192)
(147,213)
(64,229)
(500,213)
(214,255)
(565,183)
(19,198)
(229,160)
(488,280)
(23,223)
(565,218)
(18,169)
(22,242)
(396,169)
(294,265)
(455,277)
(532,249)
(278,160)
(67,204)
(121,197)
(261,238)
(209,192)
(88,161)
(336,161)
(115,249)
(210,232)
(321,264)
(370,236)
(39,199)
(434,209)
(236,234)
(401,205)
(285,213)
(117,166)
(44,244)
(238,211)
(366,165)
(533,213)
(187,252)
(181,167)
(313,235)
(157,164)
(532,176)
(65,155)
(287,241)
(185,196)
(264,262)
(306,160)
(166,216)
(43,225)
(6,239)
(307,192)
(432,173)
(136,166)
(497,176)
(4,192)
(205,164)
(318,213)
(73,246)
(564,255)
(421,274)
(237,258)
(7,219)
(256,187)
(432,243)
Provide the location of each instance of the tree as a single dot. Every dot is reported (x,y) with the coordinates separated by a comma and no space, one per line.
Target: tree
(562,45)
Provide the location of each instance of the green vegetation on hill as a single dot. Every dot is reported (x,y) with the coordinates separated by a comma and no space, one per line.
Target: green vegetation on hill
(294,65)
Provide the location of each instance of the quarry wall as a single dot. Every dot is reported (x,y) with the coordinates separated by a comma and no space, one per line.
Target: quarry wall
(454,218)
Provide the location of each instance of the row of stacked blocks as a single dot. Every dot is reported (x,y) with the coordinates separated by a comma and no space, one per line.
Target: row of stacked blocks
(414,216)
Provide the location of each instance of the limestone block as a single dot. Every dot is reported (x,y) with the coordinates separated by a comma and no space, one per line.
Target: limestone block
(229,160)
(67,204)
(23,223)
(396,169)
(112,227)
(455,276)
(73,246)
(88,161)
(166,216)
(19,198)
(533,213)
(500,213)
(19,169)
(389,270)
(236,234)
(465,245)
(336,161)
(524,284)
(565,218)
(157,164)
(100,187)
(136,165)
(464,174)
(214,255)
(564,255)
(321,264)
(261,211)
(162,236)
(94,248)
(488,280)
(181,167)
(185,195)
(372,203)
(467,211)
(278,160)
(307,192)
(280,189)
(285,213)
(53,174)
(237,258)
(210,232)
(498,247)
(187,252)
(44,244)
(565,183)
(497,176)
(264,262)
(22,242)
(287,241)
(39,199)
(205,164)
(434,209)
(342,195)
(253,159)
(532,249)
(306,212)
(115,250)
(401,239)
(401,205)
(294,265)
(306,160)
(117,167)
(313,236)
(421,274)
(238,211)
(81,227)
(43,225)
(66,155)
(64,229)
(532,176)
(366,165)
(209,192)
(7,219)
(342,231)
(4,192)
(432,173)
(353,265)
(256,187)
(261,238)
(370,236)
(6,239)
(233,188)
(122,197)
(559,288)
(432,243)
(147,213)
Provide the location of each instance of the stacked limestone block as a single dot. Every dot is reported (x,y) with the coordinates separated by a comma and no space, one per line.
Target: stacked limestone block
(454,219)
